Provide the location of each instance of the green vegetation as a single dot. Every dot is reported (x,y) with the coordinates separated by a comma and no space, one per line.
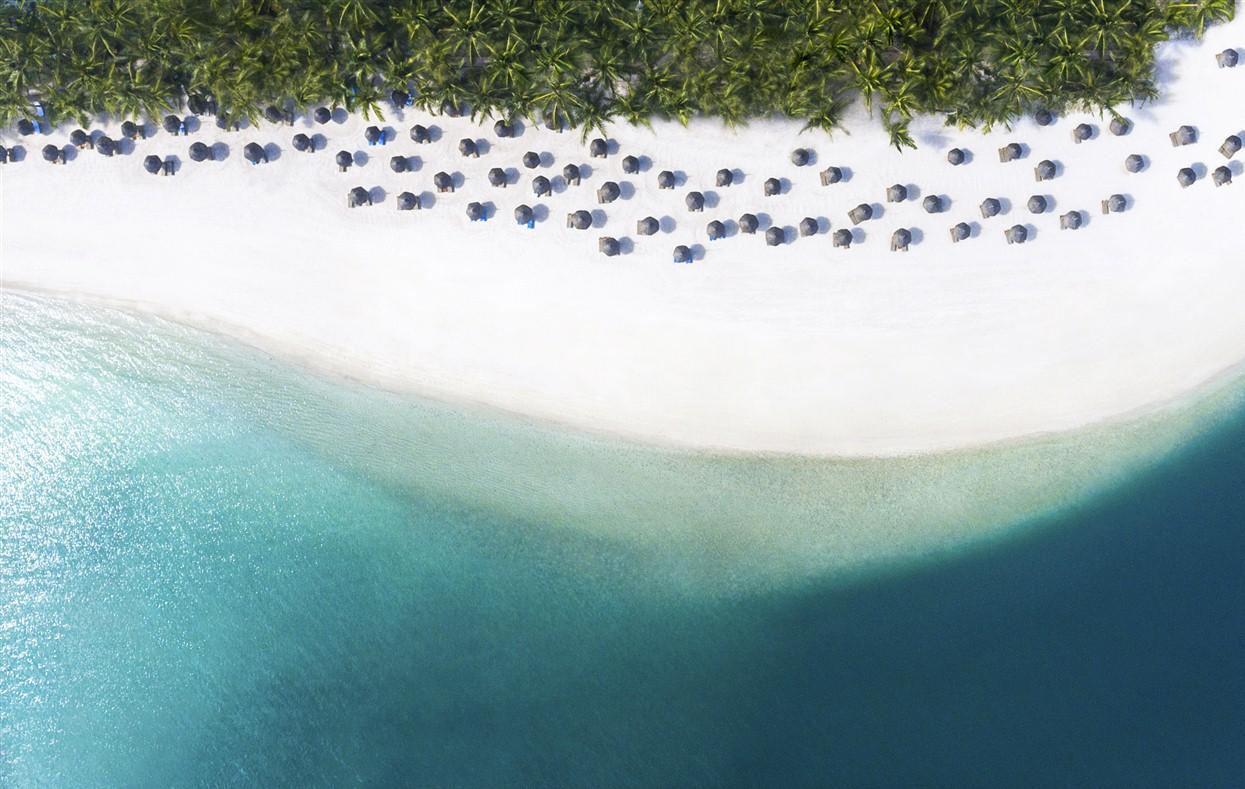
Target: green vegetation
(980,62)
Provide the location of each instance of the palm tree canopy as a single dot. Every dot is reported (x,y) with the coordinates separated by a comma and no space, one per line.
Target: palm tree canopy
(152,164)
(748,223)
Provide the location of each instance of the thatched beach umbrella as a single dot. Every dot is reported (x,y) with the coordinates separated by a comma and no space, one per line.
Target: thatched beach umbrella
(955,156)
(695,201)
(860,213)
(748,223)
(772,186)
(1071,220)
(443,182)
(579,220)
(272,114)
(373,135)
(322,115)
(960,231)
(724,177)
(344,159)
(831,175)
(800,156)
(1230,146)
(900,240)
(775,236)
(399,99)
(990,207)
(419,134)
(25,127)
(896,193)
(1016,234)
(665,180)
(199,152)
(173,124)
(608,192)
(1185,135)
(1186,177)
(302,142)
(357,197)
(152,164)
(1227,58)
(715,230)
(1222,176)
(682,254)
(132,131)
(843,238)
(1044,171)
(531,160)
(571,173)
(809,226)
(1044,117)
(196,105)
(1135,163)
(503,129)
(398,164)
(1082,132)
(524,215)
(54,155)
(254,153)
(451,109)
(1120,126)
(467,147)
(647,226)
(225,122)
(476,212)
(932,204)
(541,186)
(1010,152)
(1037,204)
(598,148)
(408,201)
(608,246)
(497,177)
(4,155)
(1114,204)
(79,138)
(104,146)
(630,165)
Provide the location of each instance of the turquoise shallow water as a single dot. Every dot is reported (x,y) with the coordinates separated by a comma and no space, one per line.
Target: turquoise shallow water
(216,570)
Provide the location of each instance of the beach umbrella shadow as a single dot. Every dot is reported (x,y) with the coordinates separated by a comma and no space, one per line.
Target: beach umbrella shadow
(377,194)
(272,151)
(540,212)
(340,115)
(626,190)
(599,218)
(220,152)
(318,142)
(427,200)
(360,158)
(667,224)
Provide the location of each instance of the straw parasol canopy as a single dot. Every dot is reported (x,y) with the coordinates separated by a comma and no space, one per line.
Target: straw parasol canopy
(860,213)
(1230,146)
(1135,163)
(1120,126)
(955,156)
(630,165)
(772,187)
(343,159)
(531,160)
(1186,177)
(475,211)
(896,193)
(129,130)
(25,127)
(1016,234)
(152,164)
(1037,204)
(450,109)
(254,153)
(1227,58)
(398,164)
(1222,176)
(1044,171)
(900,240)
(716,230)
(665,180)
(1114,204)
(541,186)
(523,214)
(172,123)
(503,129)
(843,238)
(775,236)
(359,196)
(467,147)
(226,123)
(598,148)
(399,98)
(724,177)
(302,142)
(608,246)
(199,152)
(322,115)
(990,207)
(407,201)
(1071,220)
(579,220)
(932,204)
(1044,117)
(105,146)
(1082,132)
(571,173)
(960,231)
(809,226)
(608,192)
(748,223)
(682,254)
(443,181)
(79,138)
(647,226)
(800,156)
(1185,135)
(695,201)
(831,175)
(272,114)
(497,176)
(1010,152)
(196,105)
(55,155)
(373,134)
(419,134)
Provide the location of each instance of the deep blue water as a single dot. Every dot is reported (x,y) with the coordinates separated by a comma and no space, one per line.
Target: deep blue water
(211,574)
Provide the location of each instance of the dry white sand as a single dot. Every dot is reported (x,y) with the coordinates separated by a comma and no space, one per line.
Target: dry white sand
(803,348)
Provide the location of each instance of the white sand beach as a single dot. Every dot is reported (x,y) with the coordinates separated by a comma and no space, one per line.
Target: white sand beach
(802,348)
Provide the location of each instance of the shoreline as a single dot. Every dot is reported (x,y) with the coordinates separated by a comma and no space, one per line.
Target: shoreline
(799,350)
